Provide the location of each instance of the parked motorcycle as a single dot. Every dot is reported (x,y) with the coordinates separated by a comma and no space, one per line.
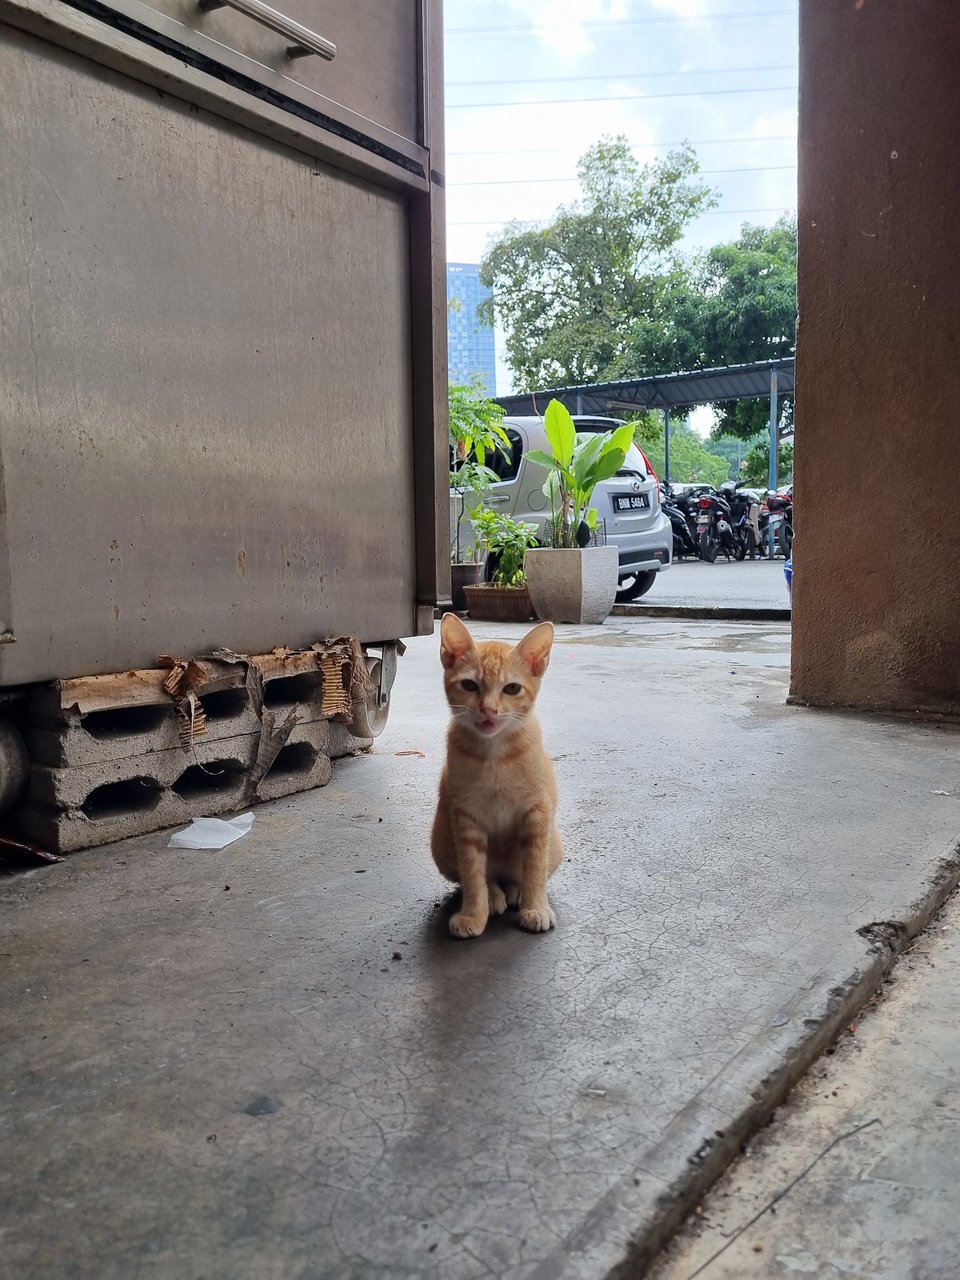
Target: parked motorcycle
(780,507)
(745,515)
(687,499)
(684,543)
(715,527)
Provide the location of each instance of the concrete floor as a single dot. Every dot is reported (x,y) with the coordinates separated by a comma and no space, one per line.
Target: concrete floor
(301,1076)
(882,1203)
(744,584)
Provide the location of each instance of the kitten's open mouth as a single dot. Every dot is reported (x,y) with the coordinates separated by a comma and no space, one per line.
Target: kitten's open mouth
(486,725)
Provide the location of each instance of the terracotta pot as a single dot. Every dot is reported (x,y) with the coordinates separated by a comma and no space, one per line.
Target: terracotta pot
(499,604)
(463,575)
(572,585)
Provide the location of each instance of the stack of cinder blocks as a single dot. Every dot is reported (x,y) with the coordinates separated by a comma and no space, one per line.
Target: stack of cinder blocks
(119,755)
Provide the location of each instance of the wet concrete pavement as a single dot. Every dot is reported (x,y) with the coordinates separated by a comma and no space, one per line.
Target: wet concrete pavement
(743,584)
(303,1076)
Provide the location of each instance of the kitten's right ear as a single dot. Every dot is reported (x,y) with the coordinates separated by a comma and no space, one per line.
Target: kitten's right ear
(455,640)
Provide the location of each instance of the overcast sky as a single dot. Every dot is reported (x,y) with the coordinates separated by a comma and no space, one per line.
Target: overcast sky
(659,71)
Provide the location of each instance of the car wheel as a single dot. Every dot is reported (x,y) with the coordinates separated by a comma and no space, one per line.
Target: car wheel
(637,585)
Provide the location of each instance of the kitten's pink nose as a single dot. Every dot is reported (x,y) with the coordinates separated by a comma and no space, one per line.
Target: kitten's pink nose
(489,708)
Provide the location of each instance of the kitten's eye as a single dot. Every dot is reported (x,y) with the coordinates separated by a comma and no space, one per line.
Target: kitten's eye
(471,686)
(512,689)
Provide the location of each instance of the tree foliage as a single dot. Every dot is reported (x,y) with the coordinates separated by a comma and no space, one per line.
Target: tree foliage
(570,293)
(734,304)
(757,470)
(749,312)
(690,459)
(601,291)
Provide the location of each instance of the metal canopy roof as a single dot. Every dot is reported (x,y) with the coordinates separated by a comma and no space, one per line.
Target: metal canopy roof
(663,391)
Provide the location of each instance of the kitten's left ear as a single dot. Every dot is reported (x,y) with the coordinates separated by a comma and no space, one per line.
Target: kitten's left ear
(455,640)
(534,649)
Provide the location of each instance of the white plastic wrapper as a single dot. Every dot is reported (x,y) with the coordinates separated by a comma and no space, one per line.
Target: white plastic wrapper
(211,833)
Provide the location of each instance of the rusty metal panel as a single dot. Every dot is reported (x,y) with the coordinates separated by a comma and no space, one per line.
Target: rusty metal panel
(205,389)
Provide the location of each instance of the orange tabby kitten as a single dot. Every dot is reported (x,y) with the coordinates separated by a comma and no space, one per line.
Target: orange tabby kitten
(494,832)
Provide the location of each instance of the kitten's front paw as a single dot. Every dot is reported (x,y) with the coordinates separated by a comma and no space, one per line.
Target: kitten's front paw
(498,903)
(464,926)
(537,919)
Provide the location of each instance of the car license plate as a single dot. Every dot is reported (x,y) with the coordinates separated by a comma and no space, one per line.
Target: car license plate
(630,502)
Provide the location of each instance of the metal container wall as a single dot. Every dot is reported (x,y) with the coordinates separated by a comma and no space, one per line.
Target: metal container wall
(222,333)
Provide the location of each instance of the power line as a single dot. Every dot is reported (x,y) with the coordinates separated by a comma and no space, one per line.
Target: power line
(737,16)
(532,222)
(616,97)
(634,146)
(517,182)
(627,75)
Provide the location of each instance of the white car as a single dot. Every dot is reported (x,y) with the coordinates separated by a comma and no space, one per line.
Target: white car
(628,504)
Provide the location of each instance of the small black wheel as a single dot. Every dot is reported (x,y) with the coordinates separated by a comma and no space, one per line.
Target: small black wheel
(637,585)
(708,548)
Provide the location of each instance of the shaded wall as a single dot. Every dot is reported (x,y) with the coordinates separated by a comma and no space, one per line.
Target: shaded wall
(877,562)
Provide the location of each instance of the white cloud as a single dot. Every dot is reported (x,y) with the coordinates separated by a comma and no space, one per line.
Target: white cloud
(684,8)
(547,140)
(562,22)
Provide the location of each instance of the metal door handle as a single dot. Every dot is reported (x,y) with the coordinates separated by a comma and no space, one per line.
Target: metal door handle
(307,41)
(497,499)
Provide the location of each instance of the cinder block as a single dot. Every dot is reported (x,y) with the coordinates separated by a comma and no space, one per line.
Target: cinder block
(213,767)
(68,738)
(341,741)
(139,803)
(71,740)
(66,831)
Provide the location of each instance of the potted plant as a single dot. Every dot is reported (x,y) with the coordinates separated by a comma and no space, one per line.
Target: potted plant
(505,598)
(475,432)
(572,580)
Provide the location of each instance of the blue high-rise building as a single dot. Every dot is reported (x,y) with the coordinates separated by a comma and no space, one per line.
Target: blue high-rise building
(470,348)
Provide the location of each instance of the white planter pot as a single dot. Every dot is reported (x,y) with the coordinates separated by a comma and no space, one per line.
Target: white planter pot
(574,585)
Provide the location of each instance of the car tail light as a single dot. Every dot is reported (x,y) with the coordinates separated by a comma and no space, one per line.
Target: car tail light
(646,463)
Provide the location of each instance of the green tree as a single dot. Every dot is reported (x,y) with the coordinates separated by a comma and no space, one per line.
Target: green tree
(690,459)
(573,295)
(733,450)
(757,470)
(746,292)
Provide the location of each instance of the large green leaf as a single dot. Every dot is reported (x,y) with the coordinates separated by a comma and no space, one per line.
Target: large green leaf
(606,466)
(544,459)
(560,432)
(622,438)
(588,450)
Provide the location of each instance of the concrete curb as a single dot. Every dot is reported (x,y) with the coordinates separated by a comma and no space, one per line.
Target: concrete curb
(716,612)
(694,1153)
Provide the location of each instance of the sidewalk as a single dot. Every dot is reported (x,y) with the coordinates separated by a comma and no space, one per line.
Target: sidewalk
(881,1201)
(271,1062)
(735,584)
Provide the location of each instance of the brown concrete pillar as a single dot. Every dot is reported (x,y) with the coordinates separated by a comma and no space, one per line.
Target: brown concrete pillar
(877,563)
